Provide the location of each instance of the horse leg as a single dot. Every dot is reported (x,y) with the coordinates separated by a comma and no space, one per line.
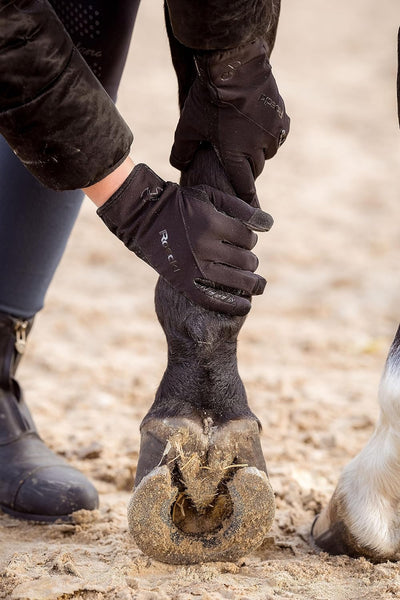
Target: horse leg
(202,491)
(362,517)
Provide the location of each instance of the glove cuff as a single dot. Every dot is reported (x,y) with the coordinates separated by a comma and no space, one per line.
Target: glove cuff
(121,212)
(142,184)
(219,65)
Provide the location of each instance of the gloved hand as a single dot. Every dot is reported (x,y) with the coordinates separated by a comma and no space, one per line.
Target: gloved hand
(198,238)
(234,104)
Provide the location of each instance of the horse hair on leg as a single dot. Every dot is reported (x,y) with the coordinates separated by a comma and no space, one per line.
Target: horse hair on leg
(362,517)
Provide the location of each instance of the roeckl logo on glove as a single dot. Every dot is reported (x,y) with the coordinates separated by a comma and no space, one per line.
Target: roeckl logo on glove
(170,257)
(149,194)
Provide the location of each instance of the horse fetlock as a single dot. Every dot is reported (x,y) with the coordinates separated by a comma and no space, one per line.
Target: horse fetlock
(207,497)
(330,532)
(362,517)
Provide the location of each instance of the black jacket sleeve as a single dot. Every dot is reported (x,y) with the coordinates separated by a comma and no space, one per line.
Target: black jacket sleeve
(221,24)
(54,113)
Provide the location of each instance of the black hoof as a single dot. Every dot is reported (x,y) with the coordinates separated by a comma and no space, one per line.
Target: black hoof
(334,540)
(329,533)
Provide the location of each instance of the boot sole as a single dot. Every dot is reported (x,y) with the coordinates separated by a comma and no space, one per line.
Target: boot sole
(38,518)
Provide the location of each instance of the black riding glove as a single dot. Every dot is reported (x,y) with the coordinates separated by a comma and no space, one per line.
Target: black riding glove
(186,235)
(234,104)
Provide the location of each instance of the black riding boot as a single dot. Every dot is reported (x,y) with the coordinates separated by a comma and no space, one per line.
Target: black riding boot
(35,483)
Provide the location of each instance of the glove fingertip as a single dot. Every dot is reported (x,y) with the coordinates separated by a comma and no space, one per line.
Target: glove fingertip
(219,301)
(242,307)
(260,220)
(188,152)
(178,163)
(259,286)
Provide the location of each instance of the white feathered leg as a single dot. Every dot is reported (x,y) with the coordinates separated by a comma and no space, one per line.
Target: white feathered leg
(363,516)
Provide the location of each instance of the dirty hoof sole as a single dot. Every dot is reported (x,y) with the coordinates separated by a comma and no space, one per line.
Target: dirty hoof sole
(151,519)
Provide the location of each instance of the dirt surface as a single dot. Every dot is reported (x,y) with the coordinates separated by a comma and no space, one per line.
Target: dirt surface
(311,351)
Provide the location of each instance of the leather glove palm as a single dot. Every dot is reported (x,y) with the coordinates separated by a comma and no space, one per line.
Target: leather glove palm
(198,238)
(234,104)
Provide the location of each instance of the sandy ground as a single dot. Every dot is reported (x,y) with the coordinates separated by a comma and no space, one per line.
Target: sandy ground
(311,352)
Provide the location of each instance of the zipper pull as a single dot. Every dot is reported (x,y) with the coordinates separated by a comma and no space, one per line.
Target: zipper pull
(20,336)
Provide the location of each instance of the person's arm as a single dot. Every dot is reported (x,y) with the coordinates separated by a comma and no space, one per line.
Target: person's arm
(220,24)
(101,191)
(234,102)
(62,125)
(54,113)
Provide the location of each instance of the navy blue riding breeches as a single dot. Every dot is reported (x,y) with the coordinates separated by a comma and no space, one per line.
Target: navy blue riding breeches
(35,222)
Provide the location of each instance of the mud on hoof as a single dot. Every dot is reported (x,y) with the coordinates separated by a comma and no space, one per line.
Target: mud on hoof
(207,498)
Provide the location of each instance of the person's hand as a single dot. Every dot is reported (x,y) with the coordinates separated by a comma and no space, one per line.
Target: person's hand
(198,238)
(234,104)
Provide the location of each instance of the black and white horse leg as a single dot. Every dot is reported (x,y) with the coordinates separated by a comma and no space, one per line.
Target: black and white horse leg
(363,516)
